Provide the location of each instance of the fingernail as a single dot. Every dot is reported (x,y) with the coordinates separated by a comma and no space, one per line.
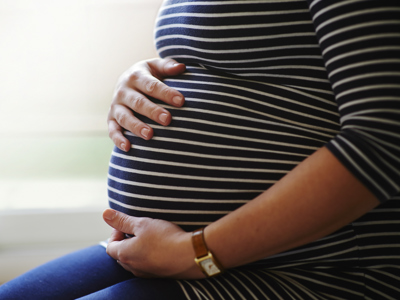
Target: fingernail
(145,132)
(177,100)
(123,147)
(163,117)
(109,214)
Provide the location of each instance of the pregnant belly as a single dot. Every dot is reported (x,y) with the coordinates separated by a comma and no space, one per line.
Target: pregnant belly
(230,142)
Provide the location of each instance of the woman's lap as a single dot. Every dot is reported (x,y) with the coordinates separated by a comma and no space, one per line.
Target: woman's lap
(89,273)
(92,274)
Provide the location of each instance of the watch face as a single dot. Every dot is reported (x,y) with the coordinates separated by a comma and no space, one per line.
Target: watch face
(209,267)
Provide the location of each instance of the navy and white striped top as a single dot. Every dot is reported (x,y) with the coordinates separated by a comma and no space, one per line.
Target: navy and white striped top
(268,82)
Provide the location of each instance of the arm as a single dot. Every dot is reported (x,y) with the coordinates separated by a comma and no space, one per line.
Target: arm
(315,199)
(360,43)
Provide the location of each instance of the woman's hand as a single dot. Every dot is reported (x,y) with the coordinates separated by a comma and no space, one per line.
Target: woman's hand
(141,80)
(157,249)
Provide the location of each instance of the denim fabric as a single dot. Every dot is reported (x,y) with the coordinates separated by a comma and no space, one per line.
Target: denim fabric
(87,274)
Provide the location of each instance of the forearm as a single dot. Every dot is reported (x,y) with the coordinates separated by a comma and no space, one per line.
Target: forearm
(315,199)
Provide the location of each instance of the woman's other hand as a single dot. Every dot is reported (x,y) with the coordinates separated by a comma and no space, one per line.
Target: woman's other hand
(141,80)
(157,249)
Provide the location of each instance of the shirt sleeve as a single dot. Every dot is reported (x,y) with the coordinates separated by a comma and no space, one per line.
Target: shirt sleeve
(360,44)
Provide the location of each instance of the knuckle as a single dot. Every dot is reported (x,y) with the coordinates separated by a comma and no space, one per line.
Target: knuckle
(111,122)
(151,86)
(121,118)
(135,127)
(120,93)
(111,110)
(166,92)
(137,102)
(109,115)
(123,223)
(123,257)
(134,75)
(113,135)
(140,222)
(154,113)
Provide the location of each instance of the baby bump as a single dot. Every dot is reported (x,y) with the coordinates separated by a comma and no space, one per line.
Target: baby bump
(231,141)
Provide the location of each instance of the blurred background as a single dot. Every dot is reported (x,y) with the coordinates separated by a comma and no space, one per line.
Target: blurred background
(59,62)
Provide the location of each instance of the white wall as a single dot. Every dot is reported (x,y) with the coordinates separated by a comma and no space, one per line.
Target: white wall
(59,62)
(65,57)
(31,238)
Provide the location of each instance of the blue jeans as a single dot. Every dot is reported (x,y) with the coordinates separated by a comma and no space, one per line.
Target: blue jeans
(87,274)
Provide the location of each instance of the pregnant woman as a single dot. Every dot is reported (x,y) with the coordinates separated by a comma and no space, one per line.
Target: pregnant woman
(258,158)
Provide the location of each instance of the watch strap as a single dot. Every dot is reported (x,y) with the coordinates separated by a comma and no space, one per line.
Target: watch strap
(207,262)
(199,244)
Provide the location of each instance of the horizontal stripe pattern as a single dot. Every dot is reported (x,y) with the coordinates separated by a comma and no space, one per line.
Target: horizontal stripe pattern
(360,42)
(270,41)
(224,147)
(267,83)
(360,261)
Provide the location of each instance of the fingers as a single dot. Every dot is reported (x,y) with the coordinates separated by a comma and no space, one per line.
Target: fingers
(122,252)
(146,79)
(121,117)
(120,221)
(135,85)
(117,244)
(140,104)
(115,133)
(116,236)
(118,250)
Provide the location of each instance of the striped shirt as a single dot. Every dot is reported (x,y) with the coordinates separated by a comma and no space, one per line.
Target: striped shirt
(268,82)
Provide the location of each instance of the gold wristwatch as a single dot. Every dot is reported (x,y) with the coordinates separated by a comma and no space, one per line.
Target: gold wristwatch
(208,263)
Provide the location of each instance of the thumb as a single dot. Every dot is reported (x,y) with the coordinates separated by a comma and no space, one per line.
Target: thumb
(172,68)
(166,67)
(119,221)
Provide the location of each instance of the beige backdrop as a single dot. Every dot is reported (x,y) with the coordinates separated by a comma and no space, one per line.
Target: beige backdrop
(59,62)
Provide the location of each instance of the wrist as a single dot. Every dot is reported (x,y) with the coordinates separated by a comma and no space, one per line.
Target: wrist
(204,258)
(185,258)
